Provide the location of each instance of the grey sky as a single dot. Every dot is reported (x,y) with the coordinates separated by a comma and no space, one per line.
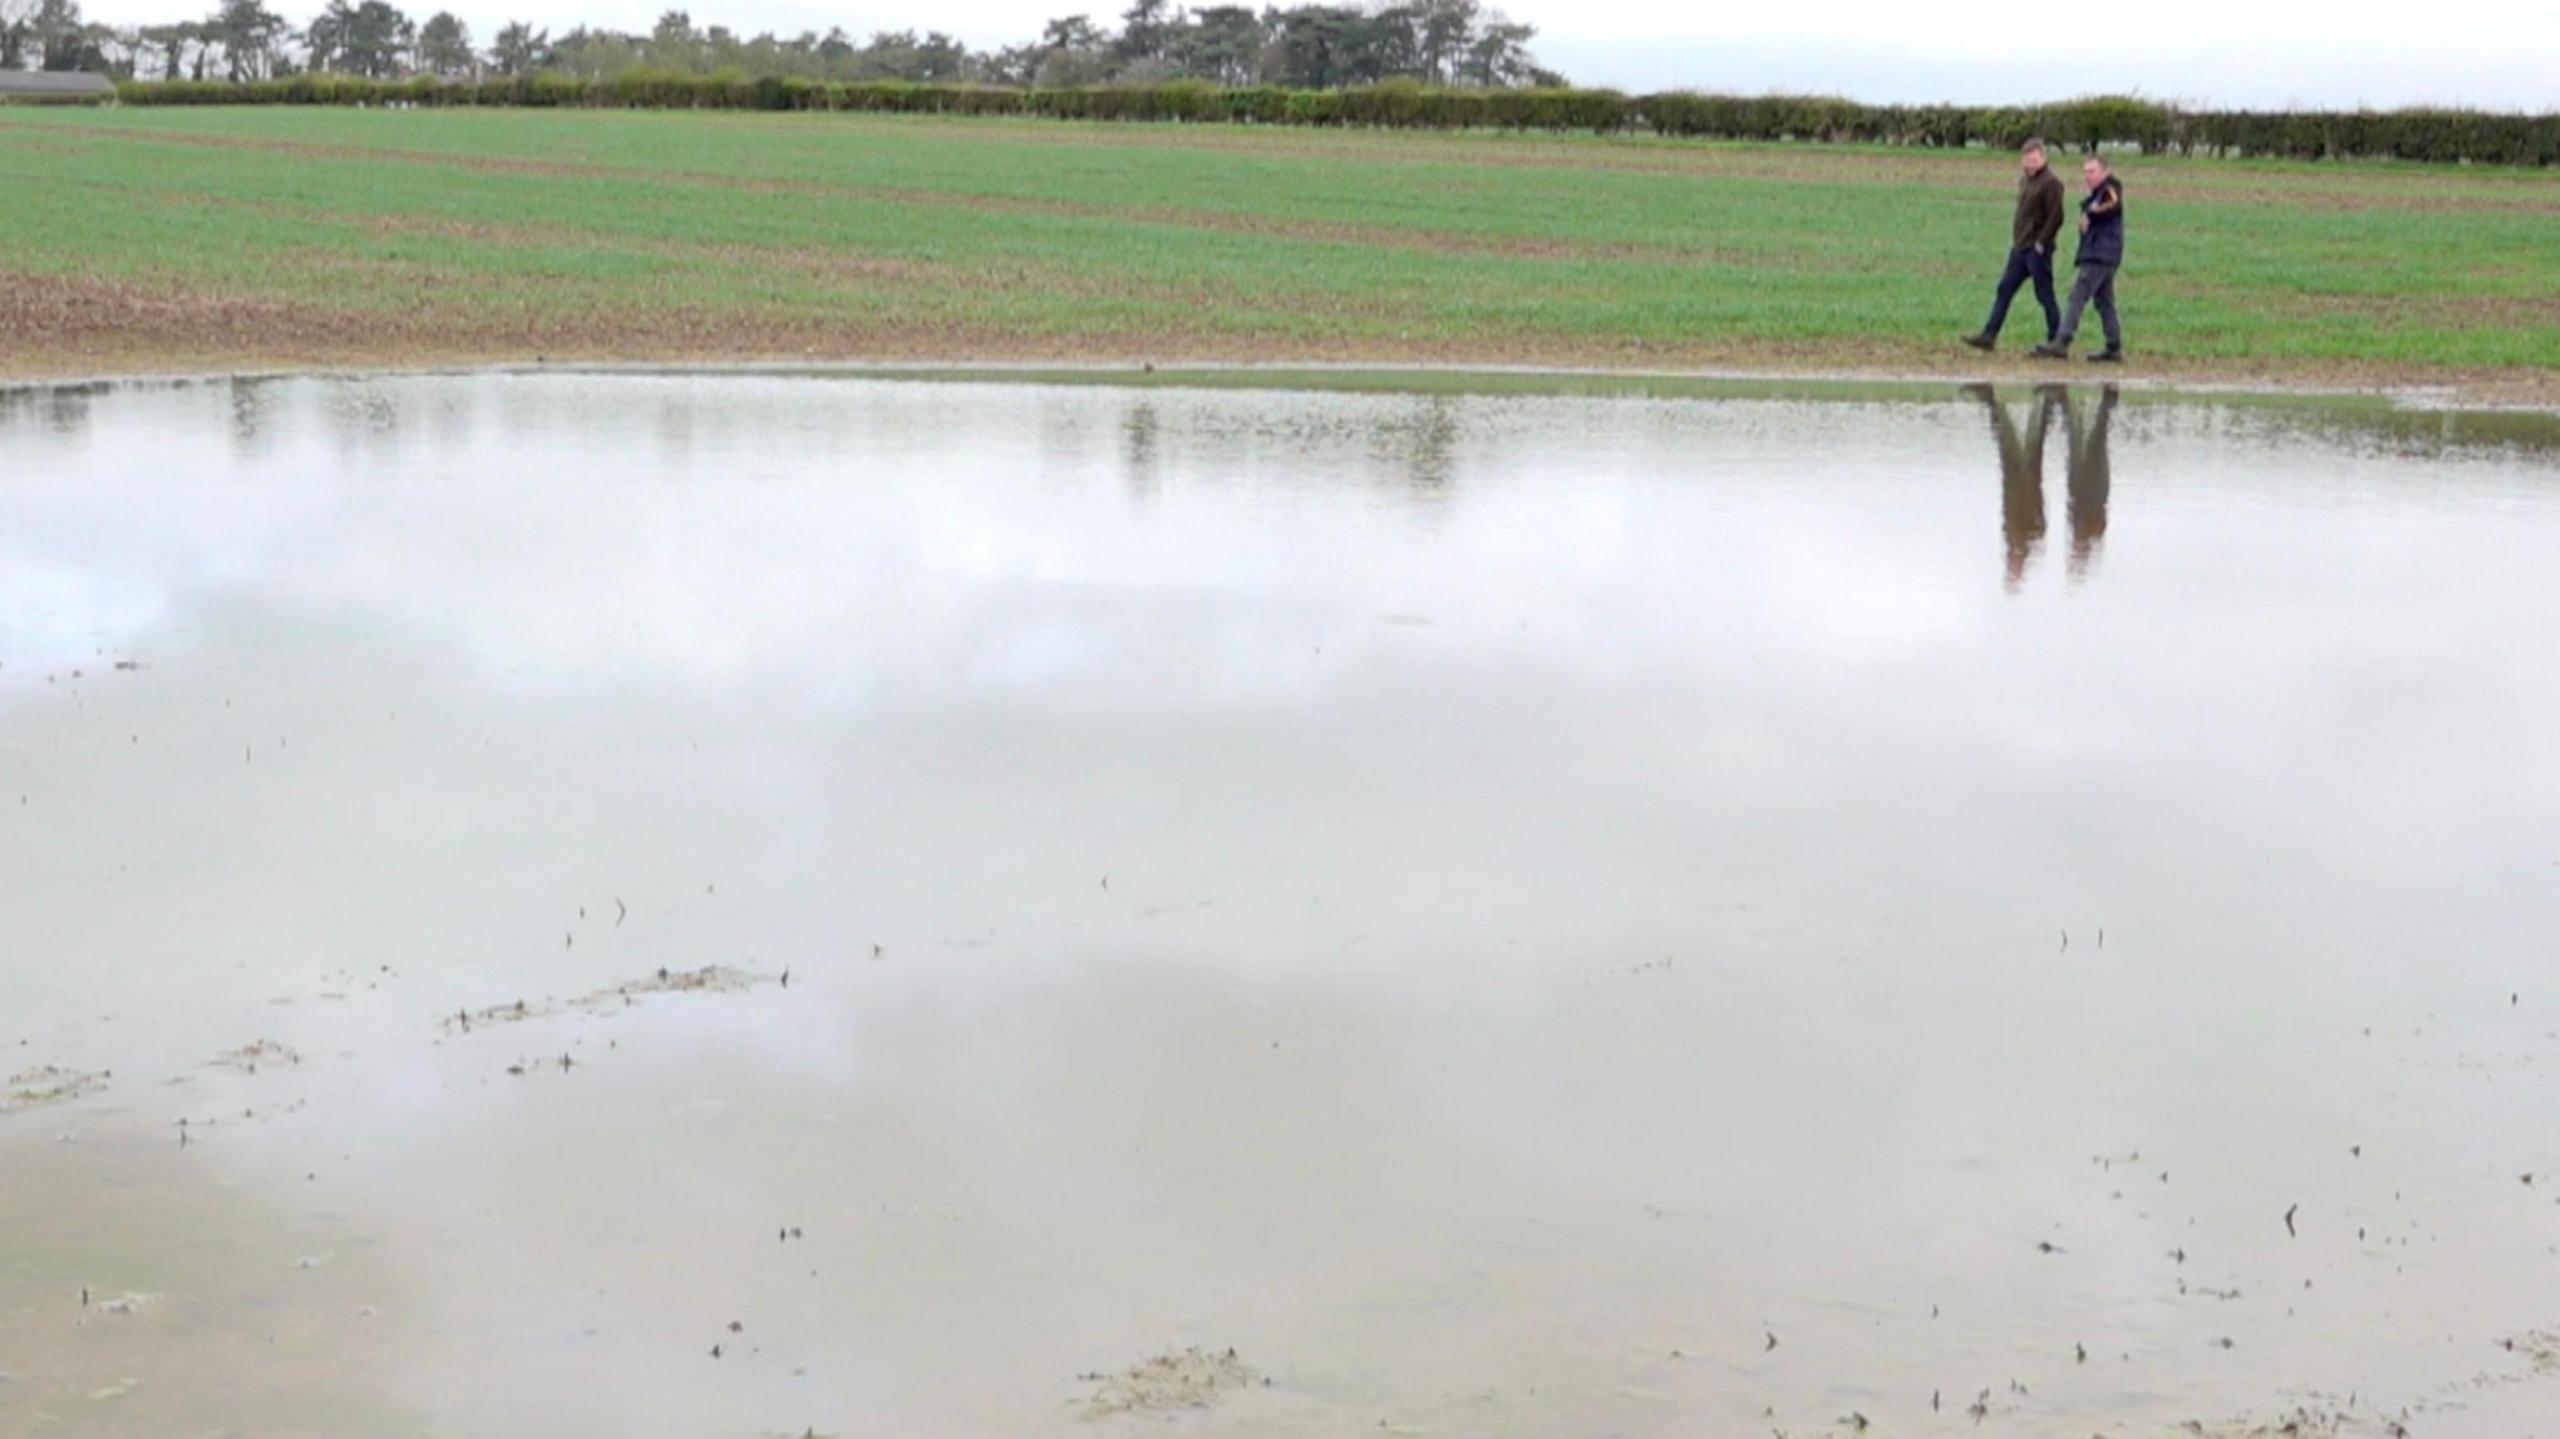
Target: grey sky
(2496,53)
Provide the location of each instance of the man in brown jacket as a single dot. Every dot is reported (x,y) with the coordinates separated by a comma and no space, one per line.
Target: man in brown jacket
(2031,235)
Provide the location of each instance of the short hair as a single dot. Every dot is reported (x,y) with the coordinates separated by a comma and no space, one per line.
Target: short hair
(2099,160)
(2034,142)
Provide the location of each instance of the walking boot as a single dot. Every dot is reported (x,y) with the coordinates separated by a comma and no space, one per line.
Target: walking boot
(2052,350)
(1983,342)
(2109,356)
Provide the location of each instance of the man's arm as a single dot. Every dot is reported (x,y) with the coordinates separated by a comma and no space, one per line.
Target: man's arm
(2110,197)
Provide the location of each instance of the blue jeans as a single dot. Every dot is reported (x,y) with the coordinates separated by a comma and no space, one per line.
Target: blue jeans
(2024,265)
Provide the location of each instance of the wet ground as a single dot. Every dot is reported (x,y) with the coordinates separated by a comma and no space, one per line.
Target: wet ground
(606,906)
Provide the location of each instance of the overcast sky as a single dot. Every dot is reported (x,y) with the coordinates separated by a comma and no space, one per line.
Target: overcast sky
(2497,53)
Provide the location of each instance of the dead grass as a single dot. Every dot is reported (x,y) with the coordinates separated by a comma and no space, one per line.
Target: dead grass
(1168,1383)
(48,1084)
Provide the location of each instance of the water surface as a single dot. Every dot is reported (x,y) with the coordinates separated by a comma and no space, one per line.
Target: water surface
(1607,914)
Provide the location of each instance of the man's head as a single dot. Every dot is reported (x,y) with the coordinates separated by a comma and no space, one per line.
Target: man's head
(2031,156)
(2093,170)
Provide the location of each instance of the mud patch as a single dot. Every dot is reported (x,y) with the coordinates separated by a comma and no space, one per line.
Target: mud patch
(74,312)
(1175,1380)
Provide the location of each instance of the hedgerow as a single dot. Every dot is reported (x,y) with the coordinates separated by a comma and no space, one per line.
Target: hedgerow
(2430,135)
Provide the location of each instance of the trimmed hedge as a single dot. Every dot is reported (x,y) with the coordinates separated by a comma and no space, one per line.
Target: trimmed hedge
(2437,136)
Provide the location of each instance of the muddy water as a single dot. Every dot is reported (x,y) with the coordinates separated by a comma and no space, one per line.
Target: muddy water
(1610,915)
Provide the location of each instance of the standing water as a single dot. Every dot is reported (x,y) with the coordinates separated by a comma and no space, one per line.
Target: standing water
(741,906)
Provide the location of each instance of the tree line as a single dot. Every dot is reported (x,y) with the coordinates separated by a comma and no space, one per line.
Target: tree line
(1459,43)
(2127,122)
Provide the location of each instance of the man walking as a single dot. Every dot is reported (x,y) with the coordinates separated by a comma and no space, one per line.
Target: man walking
(2031,235)
(2101,255)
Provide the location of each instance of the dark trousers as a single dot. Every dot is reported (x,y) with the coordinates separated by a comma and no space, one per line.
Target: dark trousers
(2097,283)
(2024,265)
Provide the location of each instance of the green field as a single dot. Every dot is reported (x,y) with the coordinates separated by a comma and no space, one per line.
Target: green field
(233,238)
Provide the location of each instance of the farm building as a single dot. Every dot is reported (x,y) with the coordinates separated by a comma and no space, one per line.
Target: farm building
(54,85)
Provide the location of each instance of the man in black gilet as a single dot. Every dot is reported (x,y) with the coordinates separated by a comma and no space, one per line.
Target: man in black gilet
(2101,255)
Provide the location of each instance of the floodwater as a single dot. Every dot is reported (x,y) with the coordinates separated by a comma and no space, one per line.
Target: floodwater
(1615,914)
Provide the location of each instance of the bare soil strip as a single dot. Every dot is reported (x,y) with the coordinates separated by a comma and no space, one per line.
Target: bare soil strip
(63,328)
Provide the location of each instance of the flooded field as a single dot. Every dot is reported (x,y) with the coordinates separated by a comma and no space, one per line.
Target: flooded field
(604,906)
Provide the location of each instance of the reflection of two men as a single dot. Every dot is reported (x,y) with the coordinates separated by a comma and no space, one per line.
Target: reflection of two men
(2022,522)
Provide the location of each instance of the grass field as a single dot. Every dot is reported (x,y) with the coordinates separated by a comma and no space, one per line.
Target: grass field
(247,238)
